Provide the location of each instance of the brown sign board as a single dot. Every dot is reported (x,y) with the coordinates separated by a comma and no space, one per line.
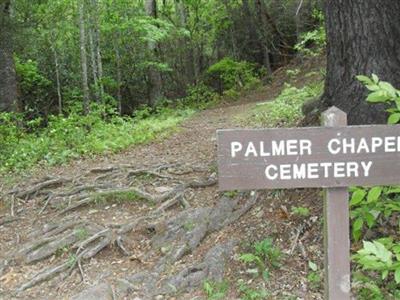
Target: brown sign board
(308,157)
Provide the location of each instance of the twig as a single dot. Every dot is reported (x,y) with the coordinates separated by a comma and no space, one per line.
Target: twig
(12,205)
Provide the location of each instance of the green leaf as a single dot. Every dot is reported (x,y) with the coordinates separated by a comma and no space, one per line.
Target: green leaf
(374,193)
(312,266)
(378,96)
(397,275)
(394,118)
(357,196)
(385,274)
(365,79)
(370,219)
(357,226)
(386,86)
(375,78)
(248,258)
(265,275)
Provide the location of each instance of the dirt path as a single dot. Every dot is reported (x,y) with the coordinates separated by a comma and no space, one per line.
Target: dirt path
(149,223)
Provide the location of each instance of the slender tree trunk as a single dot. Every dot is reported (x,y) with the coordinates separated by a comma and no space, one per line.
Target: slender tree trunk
(265,36)
(97,40)
(85,86)
(8,81)
(93,61)
(119,77)
(363,38)
(57,69)
(154,76)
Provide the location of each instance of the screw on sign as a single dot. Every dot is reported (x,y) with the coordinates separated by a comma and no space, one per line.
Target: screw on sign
(333,157)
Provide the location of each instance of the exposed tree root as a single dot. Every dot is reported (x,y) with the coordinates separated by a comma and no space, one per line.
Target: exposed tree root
(33,191)
(180,235)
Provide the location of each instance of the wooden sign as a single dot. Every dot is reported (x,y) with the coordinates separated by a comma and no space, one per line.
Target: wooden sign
(331,157)
(308,157)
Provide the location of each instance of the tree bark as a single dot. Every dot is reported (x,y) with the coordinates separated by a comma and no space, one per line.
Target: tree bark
(363,38)
(154,76)
(8,81)
(82,34)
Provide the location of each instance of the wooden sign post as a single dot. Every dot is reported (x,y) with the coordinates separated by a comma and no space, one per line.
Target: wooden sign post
(336,228)
(332,157)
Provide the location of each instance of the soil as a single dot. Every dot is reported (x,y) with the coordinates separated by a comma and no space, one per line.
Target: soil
(184,163)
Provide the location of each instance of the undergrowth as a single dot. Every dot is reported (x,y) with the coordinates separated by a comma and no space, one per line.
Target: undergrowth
(285,110)
(66,138)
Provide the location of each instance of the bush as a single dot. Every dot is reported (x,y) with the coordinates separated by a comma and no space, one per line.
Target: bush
(199,97)
(228,74)
(33,86)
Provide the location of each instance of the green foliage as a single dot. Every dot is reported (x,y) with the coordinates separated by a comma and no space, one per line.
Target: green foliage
(81,233)
(264,256)
(312,43)
(381,260)
(248,293)
(75,136)
(233,75)
(118,197)
(383,92)
(231,194)
(314,275)
(199,97)
(32,84)
(300,211)
(377,208)
(373,206)
(215,290)
(285,110)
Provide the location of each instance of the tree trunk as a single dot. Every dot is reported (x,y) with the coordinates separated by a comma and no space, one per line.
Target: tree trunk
(8,81)
(119,77)
(93,62)
(363,38)
(96,31)
(85,86)
(57,67)
(154,76)
(265,36)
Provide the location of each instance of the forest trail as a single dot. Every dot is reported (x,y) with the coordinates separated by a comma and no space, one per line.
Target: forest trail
(149,223)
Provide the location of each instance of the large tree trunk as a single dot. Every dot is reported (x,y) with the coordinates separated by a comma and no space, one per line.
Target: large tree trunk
(363,38)
(82,34)
(155,81)
(8,81)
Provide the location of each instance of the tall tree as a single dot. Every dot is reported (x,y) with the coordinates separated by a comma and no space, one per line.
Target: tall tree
(154,76)
(363,38)
(82,42)
(8,82)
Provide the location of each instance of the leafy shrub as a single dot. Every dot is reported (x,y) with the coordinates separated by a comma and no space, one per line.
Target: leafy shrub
(199,97)
(248,293)
(229,74)
(383,92)
(285,110)
(312,43)
(215,290)
(378,262)
(264,255)
(33,85)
